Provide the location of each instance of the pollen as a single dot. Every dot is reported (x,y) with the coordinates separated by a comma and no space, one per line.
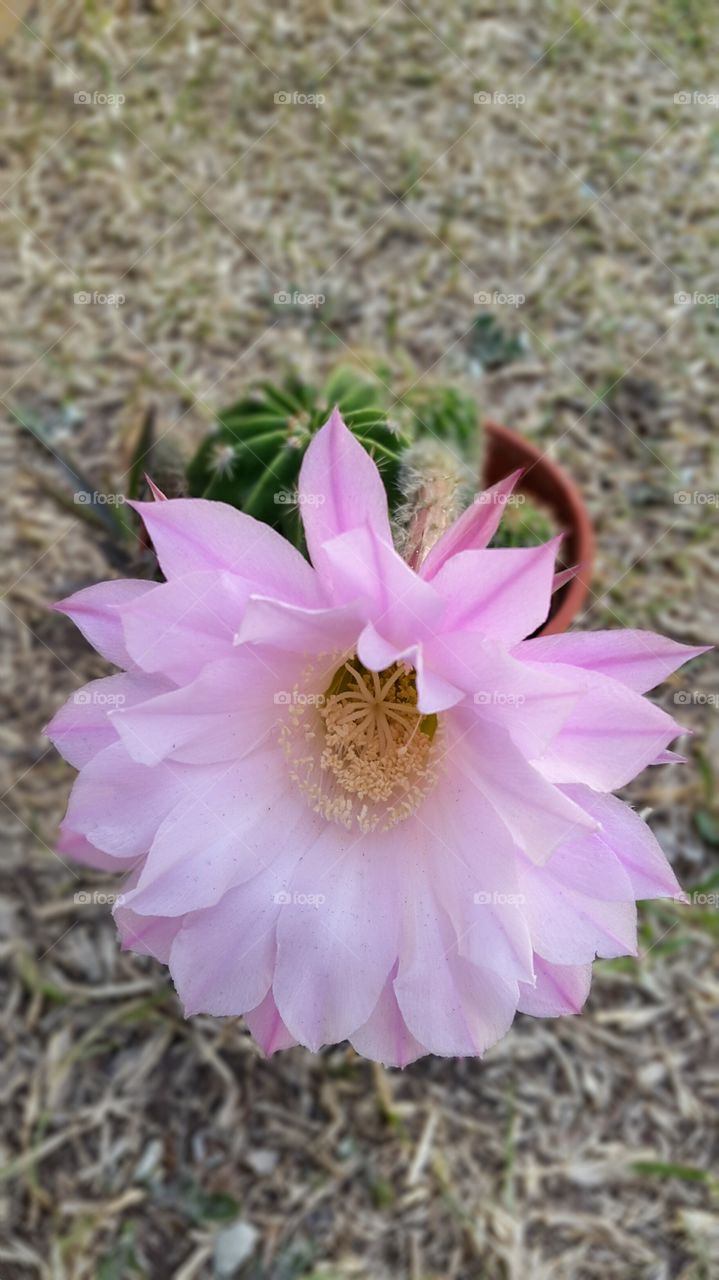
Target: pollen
(361,752)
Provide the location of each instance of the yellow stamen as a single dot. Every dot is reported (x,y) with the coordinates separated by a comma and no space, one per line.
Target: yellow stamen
(362,753)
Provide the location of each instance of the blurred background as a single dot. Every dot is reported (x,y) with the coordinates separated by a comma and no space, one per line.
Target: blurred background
(169,174)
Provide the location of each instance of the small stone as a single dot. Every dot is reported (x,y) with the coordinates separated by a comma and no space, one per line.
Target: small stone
(262,1161)
(233,1246)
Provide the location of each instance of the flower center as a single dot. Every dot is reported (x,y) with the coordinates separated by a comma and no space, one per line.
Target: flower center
(361,752)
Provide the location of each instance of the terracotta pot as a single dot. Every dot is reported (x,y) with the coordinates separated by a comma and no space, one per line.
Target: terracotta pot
(545,482)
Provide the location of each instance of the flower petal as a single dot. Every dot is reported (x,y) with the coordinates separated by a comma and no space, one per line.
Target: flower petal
(118,805)
(268,1028)
(337,936)
(474,529)
(359,567)
(504,592)
(527,699)
(450,1005)
(185,623)
(537,815)
(222,959)
(340,488)
(194,534)
(559,989)
(610,735)
(638,659)
(83,726)
(97,613)
(385,1036)
(221,834)
(221,715)
(631,842)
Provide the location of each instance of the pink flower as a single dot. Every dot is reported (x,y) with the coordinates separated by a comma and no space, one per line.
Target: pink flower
(353,799)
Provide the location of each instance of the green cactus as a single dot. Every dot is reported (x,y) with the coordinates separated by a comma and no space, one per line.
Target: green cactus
(252,457)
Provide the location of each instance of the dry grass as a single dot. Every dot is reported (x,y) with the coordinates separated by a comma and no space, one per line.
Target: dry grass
(131,1137)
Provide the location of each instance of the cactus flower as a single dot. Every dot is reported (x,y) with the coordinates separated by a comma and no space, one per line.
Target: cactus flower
(351,798)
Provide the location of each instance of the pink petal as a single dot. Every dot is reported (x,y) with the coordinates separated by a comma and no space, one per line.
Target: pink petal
(527,699)
(268,1028)
(72,845)
(385,1037)
(221,715)
(223,958)
(504,592)
(146,935)
(560,989)
(474,529)
(299,630)
(638,659)
(221,834)
(631,842)
(537,814)
(569,927)
(83,726)
(183,624)
(471,859)
(97,613)
(337,937)
(610,735)
(340,487)
(194,534)
(449,1005)
(119,805)
(359,567)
